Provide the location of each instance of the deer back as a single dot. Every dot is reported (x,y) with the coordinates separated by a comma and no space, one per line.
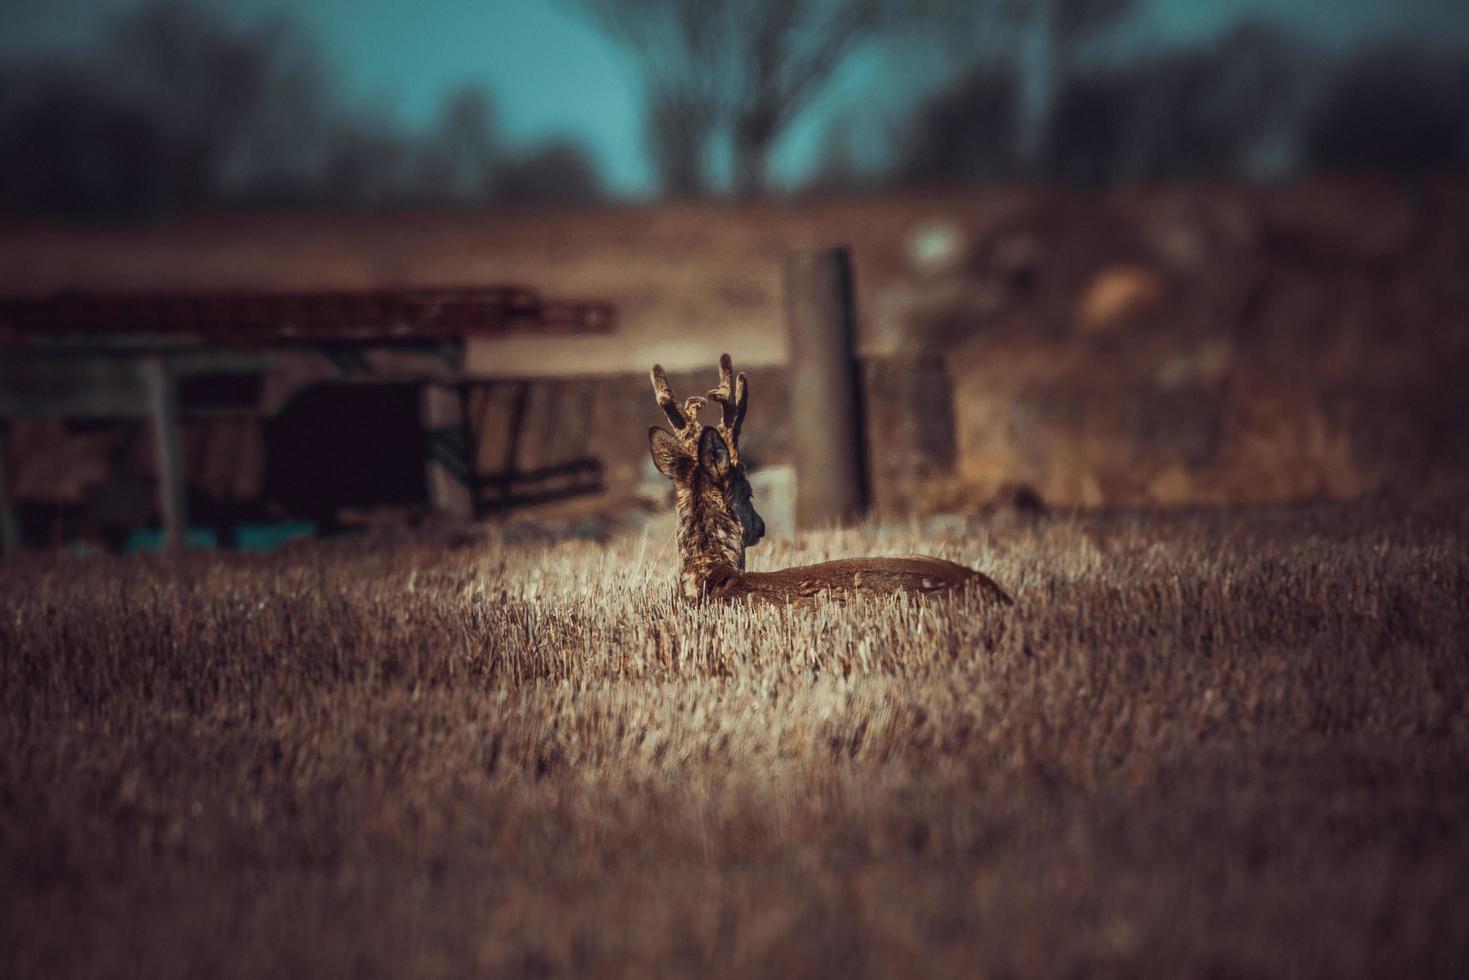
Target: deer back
(847,577)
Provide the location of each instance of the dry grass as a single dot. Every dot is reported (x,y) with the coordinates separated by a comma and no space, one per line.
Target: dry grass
(1210,744)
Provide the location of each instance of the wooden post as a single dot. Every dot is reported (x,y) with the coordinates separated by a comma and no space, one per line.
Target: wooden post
(450,463)
(163,410)
(826,411)
(9,526)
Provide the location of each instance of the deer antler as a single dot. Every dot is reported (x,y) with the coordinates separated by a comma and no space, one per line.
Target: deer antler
(733,397)
(685,420)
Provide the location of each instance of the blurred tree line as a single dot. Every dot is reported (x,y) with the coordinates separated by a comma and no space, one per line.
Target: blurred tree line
(178,109)
(1256,103)
(1038,95)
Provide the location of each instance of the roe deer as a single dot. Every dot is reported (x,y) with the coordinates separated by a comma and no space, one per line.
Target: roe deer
(717,520)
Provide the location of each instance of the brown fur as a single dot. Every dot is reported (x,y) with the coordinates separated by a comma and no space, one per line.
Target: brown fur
(709,535)
(846,577)
(716,520)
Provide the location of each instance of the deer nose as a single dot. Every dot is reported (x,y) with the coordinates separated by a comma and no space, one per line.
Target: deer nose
(759,529)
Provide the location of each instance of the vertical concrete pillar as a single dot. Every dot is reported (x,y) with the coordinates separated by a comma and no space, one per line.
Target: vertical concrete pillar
(826,410)
(163,411)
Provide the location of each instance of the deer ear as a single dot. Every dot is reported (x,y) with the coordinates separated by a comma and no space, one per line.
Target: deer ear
(713,453)
(668,453)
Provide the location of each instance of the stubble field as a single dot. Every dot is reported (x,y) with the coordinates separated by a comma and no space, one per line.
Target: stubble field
(1217,743)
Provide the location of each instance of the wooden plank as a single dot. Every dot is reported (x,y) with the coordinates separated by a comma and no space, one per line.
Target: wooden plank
(505,490)
(493,412)
(519,412)
(164,414)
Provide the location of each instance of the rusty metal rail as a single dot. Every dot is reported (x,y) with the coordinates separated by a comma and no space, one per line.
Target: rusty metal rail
(242,319)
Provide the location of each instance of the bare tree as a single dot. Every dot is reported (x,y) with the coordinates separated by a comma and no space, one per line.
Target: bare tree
(783,53)
(1061,28)
(838,167)
(69,148)
(680,127)
(235,108)
(369,163)
(459,156)
(1392,107)
(558,172)
(741,69)
(1203,110)
(964,133)
(1052,34)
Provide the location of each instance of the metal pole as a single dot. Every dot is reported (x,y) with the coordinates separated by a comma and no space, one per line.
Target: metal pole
(163,410)
(826,411)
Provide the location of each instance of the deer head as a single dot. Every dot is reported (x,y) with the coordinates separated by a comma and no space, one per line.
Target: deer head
(717,516)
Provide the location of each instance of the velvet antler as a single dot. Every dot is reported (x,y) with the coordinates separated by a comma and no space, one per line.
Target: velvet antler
(733,397)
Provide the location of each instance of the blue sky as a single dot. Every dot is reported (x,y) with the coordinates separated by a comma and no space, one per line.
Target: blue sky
(553,74)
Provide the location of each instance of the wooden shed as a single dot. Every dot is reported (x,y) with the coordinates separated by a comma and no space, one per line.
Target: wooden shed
(219,408)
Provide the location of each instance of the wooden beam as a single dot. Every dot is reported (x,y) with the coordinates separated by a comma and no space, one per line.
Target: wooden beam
(164,413)
(9,526)
(826,412)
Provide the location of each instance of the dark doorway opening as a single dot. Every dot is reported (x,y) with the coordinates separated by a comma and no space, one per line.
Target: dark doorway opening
(339,446)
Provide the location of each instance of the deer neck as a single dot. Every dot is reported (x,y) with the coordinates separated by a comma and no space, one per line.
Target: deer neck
(710,538)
